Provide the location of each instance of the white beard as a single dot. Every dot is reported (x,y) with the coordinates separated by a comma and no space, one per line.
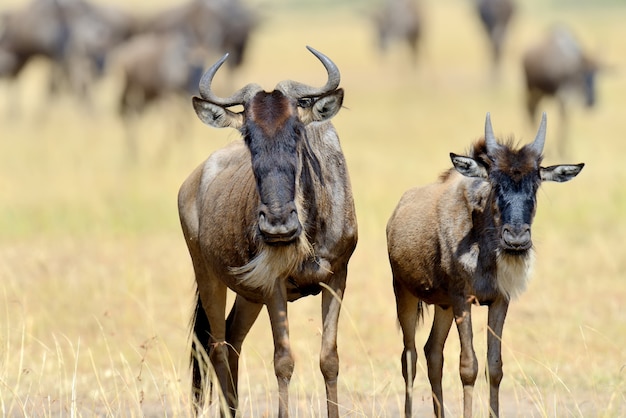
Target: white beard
(514,273)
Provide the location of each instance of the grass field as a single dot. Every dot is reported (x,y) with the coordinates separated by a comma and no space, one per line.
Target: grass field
(96,286)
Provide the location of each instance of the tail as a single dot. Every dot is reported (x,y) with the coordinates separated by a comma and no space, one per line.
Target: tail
(200,339)
(420,312)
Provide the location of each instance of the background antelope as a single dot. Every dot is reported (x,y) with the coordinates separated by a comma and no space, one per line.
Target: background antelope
(272,218)
(558,66)
(467,240)
(495,17)
(399,21)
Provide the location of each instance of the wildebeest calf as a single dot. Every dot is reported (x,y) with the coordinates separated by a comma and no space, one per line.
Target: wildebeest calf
(467,239)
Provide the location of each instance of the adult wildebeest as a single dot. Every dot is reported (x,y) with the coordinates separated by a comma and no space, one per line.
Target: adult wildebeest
(35,30)
(156,66)
(495,16)
(555,67)
(95,31)
(72,35)
(223,26)
(399,20)
(166,56)
(272,218)
(467,239)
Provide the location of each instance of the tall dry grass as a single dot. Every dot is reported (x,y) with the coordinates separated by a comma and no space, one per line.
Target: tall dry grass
(96,285)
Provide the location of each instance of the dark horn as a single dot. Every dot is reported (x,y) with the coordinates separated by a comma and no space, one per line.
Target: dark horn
(333,72)
(207,94)
(490,138)
(540,139)
(300,90)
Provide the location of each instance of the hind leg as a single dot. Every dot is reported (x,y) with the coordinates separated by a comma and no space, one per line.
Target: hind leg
(407,309)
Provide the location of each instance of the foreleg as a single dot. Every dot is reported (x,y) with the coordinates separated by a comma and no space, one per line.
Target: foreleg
(332,297)
(434,355)
(241,318)
(468,366)
(283,358)
(495,319)
(408,314)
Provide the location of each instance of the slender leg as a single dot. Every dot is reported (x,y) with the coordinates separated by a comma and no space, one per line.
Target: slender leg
(213,297)
(283,359)
(468,366)
(407,309)
(241,318)
(533,96)
(495,320)
(329,359)
(434,355)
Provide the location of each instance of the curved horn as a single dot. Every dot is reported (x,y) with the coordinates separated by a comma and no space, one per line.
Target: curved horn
(490,138)
(540,139)
(300,90)
(237,98)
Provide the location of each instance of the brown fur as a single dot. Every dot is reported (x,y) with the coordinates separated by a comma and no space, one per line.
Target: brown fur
(219,211)
(270,112)
(449,246)
(553,67)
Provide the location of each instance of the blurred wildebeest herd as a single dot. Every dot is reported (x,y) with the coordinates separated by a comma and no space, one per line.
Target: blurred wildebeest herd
(162,53)
(554,66)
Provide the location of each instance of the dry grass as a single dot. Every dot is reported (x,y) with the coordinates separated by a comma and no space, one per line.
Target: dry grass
(96,286)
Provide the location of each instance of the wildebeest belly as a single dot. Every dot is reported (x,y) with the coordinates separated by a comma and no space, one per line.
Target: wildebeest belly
(434,297)
(478,288)
(307,280)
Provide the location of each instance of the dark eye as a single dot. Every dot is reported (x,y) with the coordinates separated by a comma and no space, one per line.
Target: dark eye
(305,102)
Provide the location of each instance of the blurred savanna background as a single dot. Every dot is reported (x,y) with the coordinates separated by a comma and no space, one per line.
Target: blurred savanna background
(96,285)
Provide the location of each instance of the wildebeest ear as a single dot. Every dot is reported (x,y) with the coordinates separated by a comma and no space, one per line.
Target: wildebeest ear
(322,108)
(560,173)
(215,115)
(468,166)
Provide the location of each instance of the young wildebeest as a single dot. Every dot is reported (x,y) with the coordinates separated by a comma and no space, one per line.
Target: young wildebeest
(555,67)
(272,218)
(466,239)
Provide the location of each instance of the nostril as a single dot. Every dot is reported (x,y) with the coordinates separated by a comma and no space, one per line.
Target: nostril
(279,225)
(516,237)
(263,210)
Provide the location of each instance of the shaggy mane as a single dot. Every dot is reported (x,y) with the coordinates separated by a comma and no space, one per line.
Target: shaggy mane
(509,157)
